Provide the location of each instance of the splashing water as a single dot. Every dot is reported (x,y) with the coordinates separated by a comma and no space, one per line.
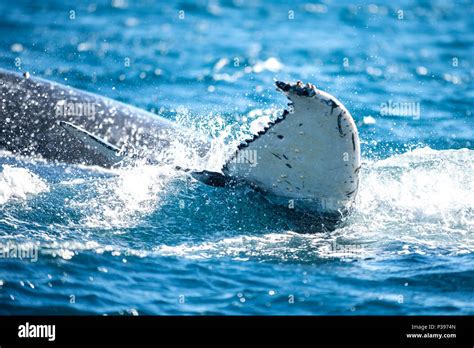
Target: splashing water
(126,197)
(18,183)
(423,199)
(419,200)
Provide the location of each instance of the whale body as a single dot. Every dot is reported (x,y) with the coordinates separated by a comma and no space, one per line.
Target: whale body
(308,159)
(31,109)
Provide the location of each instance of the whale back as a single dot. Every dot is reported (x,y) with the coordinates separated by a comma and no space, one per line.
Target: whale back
(31,109)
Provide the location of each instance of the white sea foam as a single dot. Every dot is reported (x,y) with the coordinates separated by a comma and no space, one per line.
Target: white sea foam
(18,183)
(122,200)
(420,200)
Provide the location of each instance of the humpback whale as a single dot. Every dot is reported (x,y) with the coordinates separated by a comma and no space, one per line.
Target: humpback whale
(307,159)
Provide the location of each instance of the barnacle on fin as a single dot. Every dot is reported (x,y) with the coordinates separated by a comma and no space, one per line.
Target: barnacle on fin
(308,90)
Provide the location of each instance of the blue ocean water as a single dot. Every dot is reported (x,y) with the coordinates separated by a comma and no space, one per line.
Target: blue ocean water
(147,240)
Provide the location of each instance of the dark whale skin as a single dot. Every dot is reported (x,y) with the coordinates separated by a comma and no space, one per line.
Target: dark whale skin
(29,122)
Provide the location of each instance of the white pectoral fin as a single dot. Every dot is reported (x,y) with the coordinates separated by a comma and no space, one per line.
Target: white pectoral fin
(309,157)
(101,146)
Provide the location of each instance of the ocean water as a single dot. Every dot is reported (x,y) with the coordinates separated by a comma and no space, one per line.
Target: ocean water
(148,240)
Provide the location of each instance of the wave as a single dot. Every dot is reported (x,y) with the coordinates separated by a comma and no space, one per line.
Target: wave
(420,202)
(423,199)
(19,183)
